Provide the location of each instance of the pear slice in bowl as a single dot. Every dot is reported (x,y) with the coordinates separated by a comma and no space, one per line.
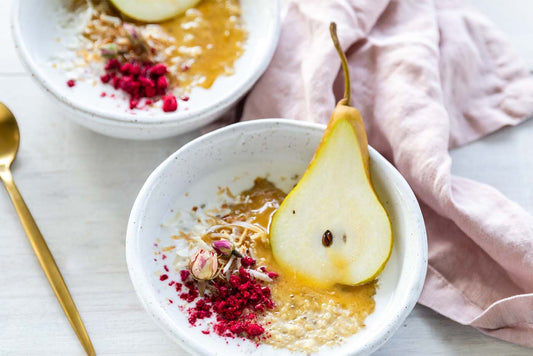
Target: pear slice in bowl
(153,10)
(332,228)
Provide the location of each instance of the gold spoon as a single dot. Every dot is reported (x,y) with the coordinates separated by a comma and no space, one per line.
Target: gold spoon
(9,144)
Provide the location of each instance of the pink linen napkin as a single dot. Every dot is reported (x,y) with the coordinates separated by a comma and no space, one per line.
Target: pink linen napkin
(427,75)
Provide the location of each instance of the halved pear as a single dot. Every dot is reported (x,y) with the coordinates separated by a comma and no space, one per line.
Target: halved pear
(153,10)
(332,228)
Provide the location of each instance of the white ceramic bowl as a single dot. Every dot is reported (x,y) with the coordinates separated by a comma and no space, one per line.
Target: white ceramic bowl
(35,25)
(277,148)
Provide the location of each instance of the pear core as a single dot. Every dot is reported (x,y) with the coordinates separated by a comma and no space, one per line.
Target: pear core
(335,194)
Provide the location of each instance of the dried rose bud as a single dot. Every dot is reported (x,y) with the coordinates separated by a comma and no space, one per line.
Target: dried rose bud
(204,265)
(224,247)
(131,32)
(136,39)
(109,50)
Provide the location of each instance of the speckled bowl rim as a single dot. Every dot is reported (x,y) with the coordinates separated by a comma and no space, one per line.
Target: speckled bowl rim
(215,107)
(142,285)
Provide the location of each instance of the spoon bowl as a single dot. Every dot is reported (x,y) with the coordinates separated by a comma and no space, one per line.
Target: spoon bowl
(9,137)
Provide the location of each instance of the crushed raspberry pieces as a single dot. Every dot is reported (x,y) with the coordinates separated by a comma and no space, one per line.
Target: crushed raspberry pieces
(232,306)
(162,82)
(169,103)
(233,303)
(158,70)
(255,329)
(247,261)
(111,64)
(71,83)
(184,274)
(139,80)
(272,275)
(105,78)
(201,310)
(192,294)
(133,103)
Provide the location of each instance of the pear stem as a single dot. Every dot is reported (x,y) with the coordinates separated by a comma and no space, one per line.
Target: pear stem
(333,32)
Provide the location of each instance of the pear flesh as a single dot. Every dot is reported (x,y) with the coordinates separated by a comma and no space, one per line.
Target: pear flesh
(153,10)
(335,194)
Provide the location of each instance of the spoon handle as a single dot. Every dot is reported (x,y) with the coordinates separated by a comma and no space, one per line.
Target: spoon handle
(47,261)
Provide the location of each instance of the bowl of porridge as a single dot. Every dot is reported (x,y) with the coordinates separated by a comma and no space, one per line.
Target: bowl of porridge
(141,80)
(199,257)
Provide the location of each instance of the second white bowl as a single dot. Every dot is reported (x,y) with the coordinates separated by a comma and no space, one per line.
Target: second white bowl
(36,31)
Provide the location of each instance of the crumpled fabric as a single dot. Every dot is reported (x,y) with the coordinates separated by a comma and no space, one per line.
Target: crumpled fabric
(427,76)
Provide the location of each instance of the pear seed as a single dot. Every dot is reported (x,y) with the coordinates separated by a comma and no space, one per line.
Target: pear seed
(327,238)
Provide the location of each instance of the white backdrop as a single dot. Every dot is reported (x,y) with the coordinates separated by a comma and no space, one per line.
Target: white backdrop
(80,187)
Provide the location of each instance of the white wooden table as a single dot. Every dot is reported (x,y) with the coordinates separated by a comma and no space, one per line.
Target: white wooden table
(80,187)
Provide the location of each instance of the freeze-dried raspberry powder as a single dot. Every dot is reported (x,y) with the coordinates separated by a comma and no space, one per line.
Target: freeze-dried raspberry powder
(233,303)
